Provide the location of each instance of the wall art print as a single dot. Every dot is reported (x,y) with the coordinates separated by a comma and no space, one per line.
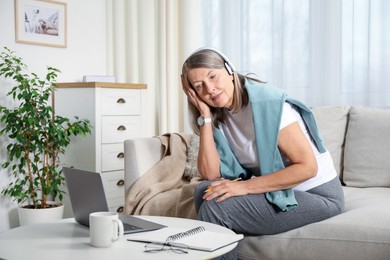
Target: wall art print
(41,22)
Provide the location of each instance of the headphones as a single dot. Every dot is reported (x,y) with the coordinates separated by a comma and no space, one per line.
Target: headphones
(228,65)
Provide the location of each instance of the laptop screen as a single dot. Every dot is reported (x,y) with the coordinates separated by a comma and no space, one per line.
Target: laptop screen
(86,193)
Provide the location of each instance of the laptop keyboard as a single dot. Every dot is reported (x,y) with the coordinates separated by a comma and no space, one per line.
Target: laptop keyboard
(127,226)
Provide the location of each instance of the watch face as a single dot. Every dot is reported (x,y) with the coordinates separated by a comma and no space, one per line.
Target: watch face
(200,121)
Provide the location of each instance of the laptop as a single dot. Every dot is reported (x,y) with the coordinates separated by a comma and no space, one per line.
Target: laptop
(87,195)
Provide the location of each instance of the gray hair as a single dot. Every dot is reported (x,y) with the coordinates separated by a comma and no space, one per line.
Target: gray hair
(206,58)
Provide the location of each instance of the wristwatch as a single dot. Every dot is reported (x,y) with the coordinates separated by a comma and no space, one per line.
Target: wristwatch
(203,120)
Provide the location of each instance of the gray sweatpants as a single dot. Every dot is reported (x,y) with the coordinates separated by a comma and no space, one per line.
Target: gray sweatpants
(254,215)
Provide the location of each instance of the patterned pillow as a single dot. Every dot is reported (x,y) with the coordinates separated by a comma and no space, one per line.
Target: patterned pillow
(191,168)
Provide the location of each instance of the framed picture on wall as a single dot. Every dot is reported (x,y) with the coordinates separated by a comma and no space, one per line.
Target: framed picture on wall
(41,22)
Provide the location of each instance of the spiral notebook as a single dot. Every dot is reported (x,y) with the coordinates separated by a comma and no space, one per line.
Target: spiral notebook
(197,238)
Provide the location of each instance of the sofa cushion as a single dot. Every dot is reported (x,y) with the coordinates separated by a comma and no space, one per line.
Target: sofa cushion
(332,123)
(362,231)
(367,143)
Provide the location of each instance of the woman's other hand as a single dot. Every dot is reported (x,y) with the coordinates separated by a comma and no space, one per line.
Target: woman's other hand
(224,189)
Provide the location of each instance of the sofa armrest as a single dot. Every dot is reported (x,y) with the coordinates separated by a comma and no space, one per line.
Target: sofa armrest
(140,155)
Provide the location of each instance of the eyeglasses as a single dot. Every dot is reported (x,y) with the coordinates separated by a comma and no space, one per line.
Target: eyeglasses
(174,247)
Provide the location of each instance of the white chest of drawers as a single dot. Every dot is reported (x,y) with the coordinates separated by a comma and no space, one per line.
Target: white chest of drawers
(114,110)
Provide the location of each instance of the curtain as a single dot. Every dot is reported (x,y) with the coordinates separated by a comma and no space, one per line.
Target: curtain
(322,52)
(147,42)
(366,52)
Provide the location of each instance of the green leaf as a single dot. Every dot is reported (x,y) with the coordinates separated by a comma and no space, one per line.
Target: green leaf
(36,137)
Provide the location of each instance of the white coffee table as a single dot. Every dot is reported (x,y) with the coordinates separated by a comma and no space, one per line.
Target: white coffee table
(66,239)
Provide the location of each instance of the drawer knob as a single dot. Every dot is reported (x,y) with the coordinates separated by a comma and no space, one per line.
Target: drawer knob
(121,128)
(120,183)
(120,209)
(120,155)
(121,101)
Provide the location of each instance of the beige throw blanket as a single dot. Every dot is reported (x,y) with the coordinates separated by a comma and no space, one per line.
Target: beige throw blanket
(163,190)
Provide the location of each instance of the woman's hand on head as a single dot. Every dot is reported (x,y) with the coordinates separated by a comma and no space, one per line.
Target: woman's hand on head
(194,98)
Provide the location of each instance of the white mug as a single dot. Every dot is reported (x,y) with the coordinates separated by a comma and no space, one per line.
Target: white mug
(105,228)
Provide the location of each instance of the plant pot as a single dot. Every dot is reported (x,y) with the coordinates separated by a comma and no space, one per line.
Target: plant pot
(31,216)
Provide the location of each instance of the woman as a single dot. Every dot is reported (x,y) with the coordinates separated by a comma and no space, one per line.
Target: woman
(260,152)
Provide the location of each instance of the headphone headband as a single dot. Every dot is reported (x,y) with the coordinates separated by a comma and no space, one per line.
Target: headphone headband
(228,65)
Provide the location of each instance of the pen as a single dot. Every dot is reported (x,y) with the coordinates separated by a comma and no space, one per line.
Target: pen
(237,179)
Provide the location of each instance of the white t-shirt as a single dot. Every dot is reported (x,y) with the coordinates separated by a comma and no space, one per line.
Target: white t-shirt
(239,132)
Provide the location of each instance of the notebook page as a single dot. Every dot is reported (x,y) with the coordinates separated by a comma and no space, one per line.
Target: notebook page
(205,240)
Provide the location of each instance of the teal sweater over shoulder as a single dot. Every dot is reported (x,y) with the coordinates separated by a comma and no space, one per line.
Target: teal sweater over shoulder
(267,108)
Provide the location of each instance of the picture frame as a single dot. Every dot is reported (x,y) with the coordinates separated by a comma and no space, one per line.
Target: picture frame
(41,22)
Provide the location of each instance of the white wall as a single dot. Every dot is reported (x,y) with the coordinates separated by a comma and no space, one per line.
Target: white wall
(85,55)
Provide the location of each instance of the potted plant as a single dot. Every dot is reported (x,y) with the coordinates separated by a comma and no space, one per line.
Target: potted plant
(37,137)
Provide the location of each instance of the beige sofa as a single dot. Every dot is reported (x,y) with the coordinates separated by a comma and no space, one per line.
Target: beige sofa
(359,141)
